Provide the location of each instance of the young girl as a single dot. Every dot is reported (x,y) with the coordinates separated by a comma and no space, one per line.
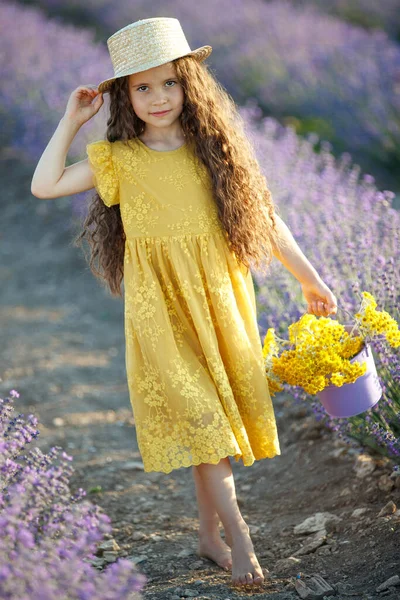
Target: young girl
(180,211)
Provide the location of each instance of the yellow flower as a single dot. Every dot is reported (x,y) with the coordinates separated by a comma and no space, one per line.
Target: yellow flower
(321,348)
(274,386)
(369,297)
(337,379)
(270,344)
(374,322)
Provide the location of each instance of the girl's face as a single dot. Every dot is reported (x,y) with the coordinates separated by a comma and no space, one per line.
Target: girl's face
(156,90)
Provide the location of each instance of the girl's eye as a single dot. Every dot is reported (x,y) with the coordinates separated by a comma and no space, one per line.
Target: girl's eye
(170,81)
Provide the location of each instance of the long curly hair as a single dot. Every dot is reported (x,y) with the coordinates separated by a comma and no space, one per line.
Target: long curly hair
(216,132)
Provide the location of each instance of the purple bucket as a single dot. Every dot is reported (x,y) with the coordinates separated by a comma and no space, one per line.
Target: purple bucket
(355,398)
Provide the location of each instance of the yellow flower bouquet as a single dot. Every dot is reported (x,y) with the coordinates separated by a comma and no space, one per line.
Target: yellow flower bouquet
(323,356)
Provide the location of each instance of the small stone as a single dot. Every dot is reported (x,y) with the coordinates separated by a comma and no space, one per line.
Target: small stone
(189,593)
(59,422)
(107,546)
(385,483)
(97,562)
(110,557)
(185,552)
(316,588)
(358,512)
(316,523)
(364,465)
(392,581)
(312,543)
(156,538)
(132,465)
(388,509)
(138,535)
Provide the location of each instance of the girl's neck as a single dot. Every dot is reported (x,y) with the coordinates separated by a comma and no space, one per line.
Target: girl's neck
(162,144)
(168,138)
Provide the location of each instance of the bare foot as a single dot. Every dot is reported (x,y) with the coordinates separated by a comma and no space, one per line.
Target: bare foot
(246,569)
(216,550)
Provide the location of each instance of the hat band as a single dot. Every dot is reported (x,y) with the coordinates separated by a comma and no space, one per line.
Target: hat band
(137,66)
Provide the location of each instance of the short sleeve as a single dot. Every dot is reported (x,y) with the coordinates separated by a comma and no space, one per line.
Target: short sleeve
(105,177)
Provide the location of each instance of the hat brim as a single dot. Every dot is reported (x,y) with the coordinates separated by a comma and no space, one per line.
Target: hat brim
(199,54)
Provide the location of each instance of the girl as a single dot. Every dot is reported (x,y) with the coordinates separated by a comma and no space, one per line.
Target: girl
(180,211)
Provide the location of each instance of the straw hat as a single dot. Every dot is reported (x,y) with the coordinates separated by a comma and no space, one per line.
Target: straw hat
(148,43)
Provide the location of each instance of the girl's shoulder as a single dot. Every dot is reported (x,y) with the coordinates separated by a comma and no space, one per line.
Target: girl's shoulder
(99,151)
(103,151)
(105,177)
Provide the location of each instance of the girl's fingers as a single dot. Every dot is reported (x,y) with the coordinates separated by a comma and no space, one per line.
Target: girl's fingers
(318,308)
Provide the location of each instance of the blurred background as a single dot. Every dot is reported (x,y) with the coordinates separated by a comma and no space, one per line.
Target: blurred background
(330,68)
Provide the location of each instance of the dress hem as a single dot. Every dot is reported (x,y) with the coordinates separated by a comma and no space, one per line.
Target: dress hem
(236,456)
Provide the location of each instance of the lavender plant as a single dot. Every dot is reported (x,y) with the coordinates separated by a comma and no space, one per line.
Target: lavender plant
(39,76)
(367,13)
(311,68)
(48,536)
(351,233)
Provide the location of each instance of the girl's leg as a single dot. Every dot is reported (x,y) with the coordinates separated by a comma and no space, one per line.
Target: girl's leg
(219,486)
(210,543)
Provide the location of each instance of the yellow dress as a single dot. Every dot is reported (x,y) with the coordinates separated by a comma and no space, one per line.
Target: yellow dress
(194,360)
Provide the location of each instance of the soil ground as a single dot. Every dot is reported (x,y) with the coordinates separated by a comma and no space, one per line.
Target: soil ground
(62,349)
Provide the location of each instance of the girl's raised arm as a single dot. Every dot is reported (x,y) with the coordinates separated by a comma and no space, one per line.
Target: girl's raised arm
(52,178)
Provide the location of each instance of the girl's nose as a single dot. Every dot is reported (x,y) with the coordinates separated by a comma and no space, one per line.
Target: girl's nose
(160,102)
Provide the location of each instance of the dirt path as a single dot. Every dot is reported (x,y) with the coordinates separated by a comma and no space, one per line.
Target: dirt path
(62,348)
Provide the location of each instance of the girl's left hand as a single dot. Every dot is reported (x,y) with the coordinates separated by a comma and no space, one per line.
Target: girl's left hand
(321,301)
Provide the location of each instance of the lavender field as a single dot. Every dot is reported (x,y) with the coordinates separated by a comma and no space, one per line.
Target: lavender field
(367,13)
(304,67)
(318,89)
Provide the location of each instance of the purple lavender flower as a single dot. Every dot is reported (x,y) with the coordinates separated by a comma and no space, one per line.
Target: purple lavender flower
(48,536)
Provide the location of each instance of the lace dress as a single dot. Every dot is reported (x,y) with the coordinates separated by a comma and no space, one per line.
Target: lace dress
(194,361)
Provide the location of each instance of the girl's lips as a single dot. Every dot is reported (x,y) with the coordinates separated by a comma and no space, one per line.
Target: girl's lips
(160,114)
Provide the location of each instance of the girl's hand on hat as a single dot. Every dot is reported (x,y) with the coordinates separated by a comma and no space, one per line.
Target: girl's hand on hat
(80,107)
(321,301)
